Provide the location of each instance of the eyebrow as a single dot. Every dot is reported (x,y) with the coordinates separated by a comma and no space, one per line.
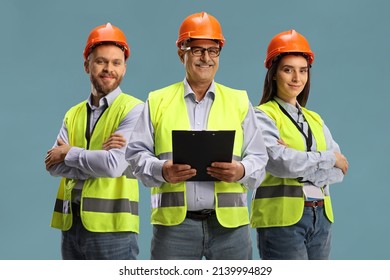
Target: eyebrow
(107,59)
(204,47)
(290,66)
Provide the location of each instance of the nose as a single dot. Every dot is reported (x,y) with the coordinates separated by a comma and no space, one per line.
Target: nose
(107,67)
(205,55)
(295,77)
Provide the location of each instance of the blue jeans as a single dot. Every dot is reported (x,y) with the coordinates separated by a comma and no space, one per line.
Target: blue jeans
(309,239)
(81,244)
(195,239)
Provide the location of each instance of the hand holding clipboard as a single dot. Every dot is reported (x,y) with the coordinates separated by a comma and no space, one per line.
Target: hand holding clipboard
(200,148)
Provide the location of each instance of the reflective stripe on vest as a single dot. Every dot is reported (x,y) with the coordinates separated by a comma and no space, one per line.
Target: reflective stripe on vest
(232,199)
(62,206)
(99,205)
(279,191)
(167,199)
(176,199)
(110,205)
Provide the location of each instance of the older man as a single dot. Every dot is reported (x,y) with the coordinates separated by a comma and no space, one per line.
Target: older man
(196,219)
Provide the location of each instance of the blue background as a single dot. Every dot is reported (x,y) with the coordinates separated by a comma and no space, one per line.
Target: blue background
(42,75)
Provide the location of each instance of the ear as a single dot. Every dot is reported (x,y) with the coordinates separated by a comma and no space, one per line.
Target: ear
(86,66)
(181,55)
(124,72)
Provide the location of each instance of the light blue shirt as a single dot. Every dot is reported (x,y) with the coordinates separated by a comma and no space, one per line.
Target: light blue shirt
(317,168)
(200,195)
(82,164)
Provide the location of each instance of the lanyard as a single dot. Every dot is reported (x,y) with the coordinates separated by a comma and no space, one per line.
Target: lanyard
(308,137)
(89,131)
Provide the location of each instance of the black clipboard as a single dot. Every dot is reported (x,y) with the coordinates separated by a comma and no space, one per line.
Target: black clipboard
(200,148)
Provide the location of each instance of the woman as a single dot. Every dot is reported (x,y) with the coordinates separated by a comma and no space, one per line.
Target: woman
(292,209)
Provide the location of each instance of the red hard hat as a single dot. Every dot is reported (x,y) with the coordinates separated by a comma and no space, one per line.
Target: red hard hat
(106,33)
(200,26)
(288,42)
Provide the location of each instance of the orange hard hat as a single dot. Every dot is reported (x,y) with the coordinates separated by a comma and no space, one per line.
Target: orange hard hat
(200,26)
(106,33)
(288,42)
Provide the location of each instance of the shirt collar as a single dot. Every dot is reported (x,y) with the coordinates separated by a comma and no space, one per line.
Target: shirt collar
(291,109)
(106,100)
(188,90)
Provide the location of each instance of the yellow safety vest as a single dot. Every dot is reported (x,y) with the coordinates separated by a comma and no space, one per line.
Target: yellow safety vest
(107,204)
(280,201)
(168,112)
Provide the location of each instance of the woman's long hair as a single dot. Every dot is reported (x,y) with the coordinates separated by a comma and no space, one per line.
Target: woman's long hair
(270,88)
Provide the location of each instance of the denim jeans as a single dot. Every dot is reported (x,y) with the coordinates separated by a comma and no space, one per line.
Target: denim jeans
(81,244)
(309,239)
(195,239)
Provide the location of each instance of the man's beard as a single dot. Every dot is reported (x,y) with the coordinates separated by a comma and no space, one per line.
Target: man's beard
(102,88)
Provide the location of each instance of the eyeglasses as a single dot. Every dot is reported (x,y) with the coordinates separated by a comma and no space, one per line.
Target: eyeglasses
(199,51)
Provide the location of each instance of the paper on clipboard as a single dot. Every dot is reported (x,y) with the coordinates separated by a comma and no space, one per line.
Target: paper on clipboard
(200,148)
